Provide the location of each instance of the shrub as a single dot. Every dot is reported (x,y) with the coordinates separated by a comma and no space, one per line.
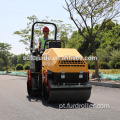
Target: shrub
(13,68)
(117,65)
(10,70)
(19,67)
(2,68)
(92,65)
(103,65)
(115,57)
(104,54)
(27,67)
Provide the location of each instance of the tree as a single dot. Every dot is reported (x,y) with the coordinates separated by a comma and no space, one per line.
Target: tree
(104,54)
(20,59)
(1,64)
(114,58)
(13,60)
(89,13)
(63,30)
(4,53)
(75,40)
(110,36)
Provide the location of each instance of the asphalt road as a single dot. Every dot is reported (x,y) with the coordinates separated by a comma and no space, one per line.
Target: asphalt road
(15,104)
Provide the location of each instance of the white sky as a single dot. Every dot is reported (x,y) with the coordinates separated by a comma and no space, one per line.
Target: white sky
(14,13)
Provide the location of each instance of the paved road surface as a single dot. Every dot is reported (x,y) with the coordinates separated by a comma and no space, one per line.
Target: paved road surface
(15,104)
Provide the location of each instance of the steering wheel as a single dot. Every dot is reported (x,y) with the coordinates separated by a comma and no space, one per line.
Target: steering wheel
(54,41)
(46,43)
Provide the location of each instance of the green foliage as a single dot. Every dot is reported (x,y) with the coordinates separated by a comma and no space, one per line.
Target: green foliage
(26,67)
(10,69)
(117,45)
(20,59)
(92,65)
(103,40)
(117,65)
(5,54)
(27,63)
(63,30)
(104,54)
(19,67)
(103,65)
(114,58)
(109,25)
(75,40)
(14,59)
(2,69)
(110,37)
(109,55)
(93,11)
(1,64)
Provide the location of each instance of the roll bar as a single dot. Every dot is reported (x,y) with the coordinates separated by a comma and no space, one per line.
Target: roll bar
(32,33)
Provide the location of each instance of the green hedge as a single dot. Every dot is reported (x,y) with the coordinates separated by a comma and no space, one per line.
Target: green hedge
(19,67)
(2,68)
(117,65)
(10,69)
(26,67)
(92,65)
(103,65)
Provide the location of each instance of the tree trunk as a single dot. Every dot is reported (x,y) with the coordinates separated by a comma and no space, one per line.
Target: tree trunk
(96,61)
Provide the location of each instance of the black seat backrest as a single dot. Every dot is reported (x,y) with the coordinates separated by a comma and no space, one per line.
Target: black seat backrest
(54,44)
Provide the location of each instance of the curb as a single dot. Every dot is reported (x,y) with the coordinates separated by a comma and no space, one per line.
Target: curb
(15,75)
(105,84)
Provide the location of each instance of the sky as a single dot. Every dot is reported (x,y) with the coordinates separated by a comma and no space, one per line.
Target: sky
(14,13)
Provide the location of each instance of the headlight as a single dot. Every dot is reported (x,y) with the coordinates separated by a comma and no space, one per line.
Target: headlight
(63,75)
(81,74)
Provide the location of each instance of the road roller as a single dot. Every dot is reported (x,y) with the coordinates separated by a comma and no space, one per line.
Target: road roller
(58,74)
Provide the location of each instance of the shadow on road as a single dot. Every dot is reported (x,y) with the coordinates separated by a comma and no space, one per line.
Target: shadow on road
(64,105)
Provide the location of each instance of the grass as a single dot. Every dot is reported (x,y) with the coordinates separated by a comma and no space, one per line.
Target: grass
(18,70)
(21,70)
(107,71)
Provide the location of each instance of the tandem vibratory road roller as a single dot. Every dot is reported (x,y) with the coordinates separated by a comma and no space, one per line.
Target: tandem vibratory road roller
(62,77)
